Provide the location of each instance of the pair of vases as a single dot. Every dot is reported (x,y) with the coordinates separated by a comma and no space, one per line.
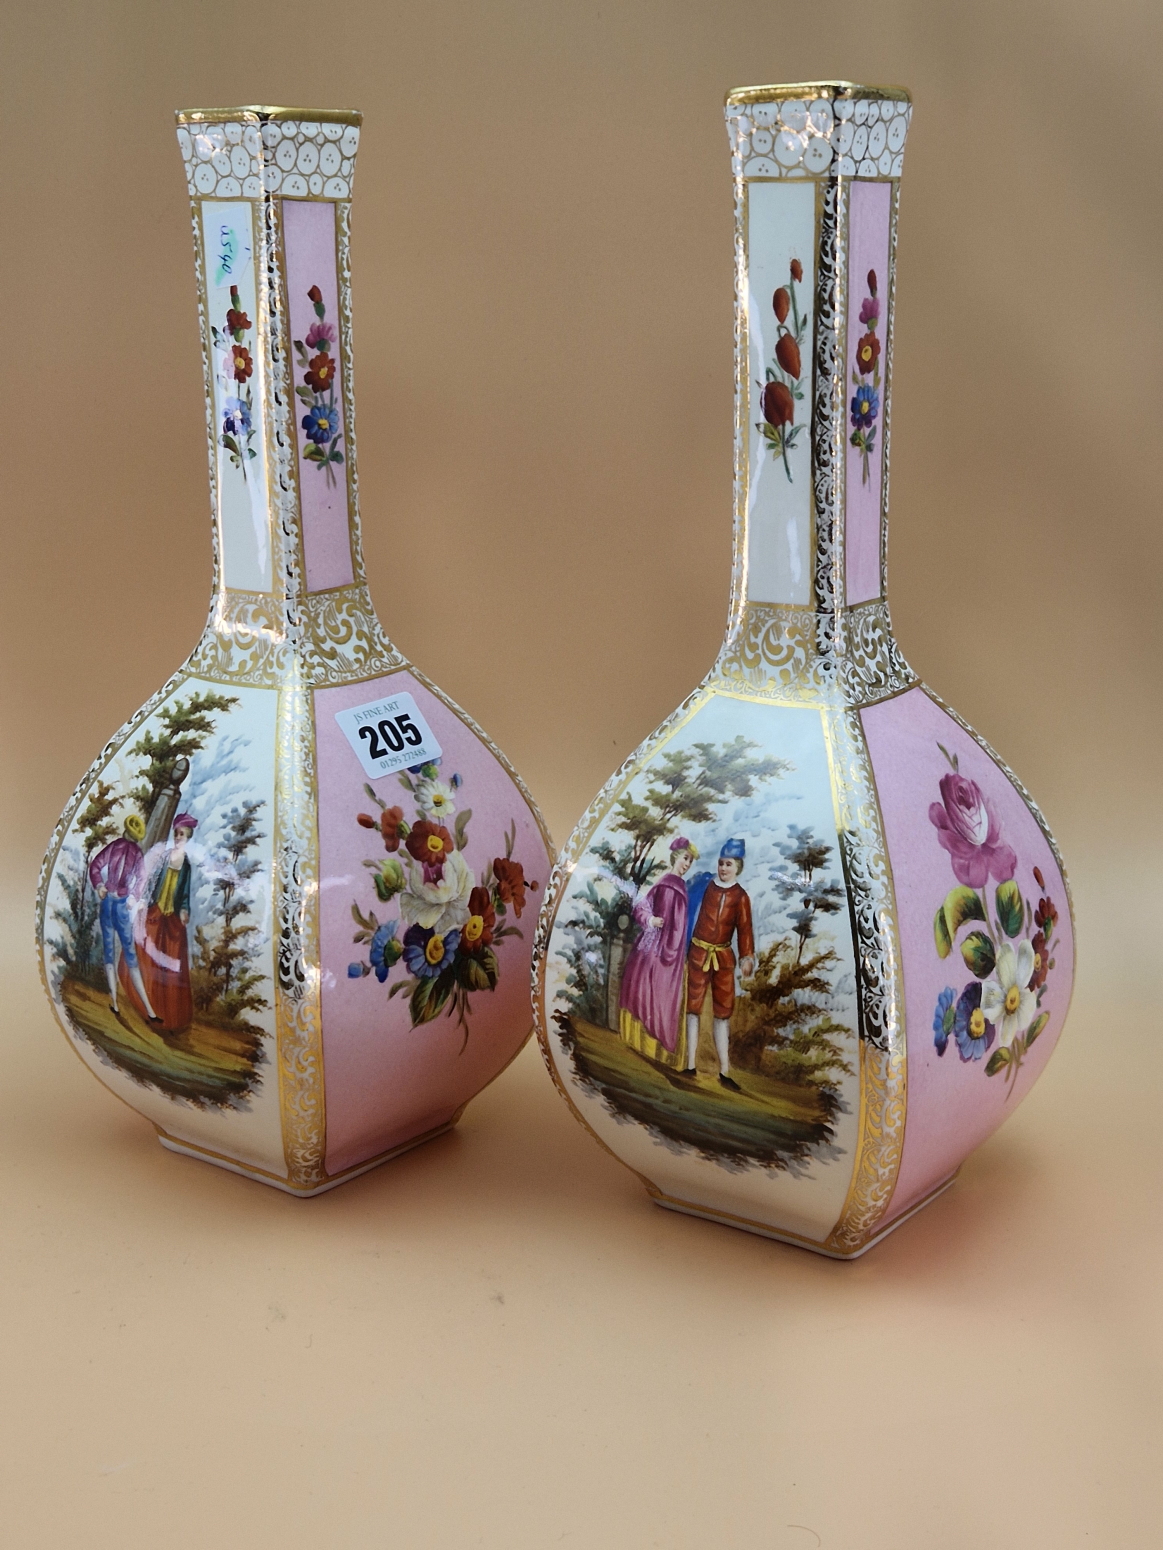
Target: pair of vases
(807,947)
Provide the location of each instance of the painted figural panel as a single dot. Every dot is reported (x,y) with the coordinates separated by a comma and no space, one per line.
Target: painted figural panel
(700,977)
(159,954)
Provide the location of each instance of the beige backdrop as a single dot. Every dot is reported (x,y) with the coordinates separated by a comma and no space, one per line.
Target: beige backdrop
(498,1342)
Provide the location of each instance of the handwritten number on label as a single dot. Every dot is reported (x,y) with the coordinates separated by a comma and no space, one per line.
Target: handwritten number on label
(395,731)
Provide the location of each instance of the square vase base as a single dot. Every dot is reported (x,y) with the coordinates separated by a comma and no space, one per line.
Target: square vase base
(261,1176)
(725,1219)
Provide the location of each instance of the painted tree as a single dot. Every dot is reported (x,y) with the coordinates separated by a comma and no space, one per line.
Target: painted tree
(79,947)
(783,1027)
(686,787)
(587,933)
(185,726)
(226,984)
(806,856)
(95,821)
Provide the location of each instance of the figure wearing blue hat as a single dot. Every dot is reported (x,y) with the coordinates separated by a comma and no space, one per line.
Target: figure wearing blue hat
(719,909)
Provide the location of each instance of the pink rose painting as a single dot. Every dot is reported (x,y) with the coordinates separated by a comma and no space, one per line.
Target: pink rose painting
(968,828)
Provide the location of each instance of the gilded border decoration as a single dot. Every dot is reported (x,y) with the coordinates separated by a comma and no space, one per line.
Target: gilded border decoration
(883,1063)
(298,1016)
(245,640)
(331,637)
(801,657)
(828,419)
(886,421)
(343,280)
(340,638)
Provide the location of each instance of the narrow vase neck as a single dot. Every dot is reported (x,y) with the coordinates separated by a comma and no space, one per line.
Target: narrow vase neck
(270,192)
(816,171)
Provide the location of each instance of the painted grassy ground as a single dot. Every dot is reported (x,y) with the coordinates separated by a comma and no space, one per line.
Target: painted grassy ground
(206,1065)
(770,1123)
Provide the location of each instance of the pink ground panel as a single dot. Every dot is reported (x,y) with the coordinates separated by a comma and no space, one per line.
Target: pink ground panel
(868,236)
(385,1080)
(952,1104)
(309,238)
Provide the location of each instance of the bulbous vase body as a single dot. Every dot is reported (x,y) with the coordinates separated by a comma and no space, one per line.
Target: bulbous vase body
(285,914)
(812,943)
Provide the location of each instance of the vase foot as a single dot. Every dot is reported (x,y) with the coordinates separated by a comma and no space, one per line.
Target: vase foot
(762,1230)
(302,1192)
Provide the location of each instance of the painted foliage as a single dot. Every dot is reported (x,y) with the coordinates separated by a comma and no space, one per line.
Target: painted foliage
(157,929)
(701,973)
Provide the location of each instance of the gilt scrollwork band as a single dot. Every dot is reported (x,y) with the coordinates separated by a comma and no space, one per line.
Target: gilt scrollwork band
(330,637)
(340,638)
(873,912)
(799,656)
(298,1017)
(828,422)
(882,1130)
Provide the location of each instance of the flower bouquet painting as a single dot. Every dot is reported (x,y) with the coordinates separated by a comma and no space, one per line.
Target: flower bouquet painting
(450,923)
(237,432)
(865,406)
(1008,947)
(320,369)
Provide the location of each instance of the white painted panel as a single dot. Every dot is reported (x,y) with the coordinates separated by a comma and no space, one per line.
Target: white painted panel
(243,508)
(781,228)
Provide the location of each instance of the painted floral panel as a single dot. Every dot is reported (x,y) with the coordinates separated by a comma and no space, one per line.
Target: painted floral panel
(236,395)
(984,927)
(431,879)
(779,298)
(870,207)
(322,396)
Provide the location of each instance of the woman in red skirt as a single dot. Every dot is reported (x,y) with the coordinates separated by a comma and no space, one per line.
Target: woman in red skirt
(165,950)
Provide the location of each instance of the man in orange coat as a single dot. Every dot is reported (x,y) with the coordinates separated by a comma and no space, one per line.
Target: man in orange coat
(719,909)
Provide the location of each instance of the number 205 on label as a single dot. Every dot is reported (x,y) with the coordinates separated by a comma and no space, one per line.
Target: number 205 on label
(389,734)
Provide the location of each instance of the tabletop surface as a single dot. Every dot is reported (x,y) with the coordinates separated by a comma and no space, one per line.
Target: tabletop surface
(497,1340)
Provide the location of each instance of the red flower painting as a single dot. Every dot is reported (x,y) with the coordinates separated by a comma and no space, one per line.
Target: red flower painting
(781,388)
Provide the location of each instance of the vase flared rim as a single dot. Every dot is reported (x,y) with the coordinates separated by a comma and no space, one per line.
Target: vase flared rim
(263,114)
(810,90)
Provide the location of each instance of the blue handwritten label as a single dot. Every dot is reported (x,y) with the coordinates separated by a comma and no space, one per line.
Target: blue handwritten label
(231,256)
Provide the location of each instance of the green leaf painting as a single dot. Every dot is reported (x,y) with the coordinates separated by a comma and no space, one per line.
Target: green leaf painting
(1009,908)
(1036,1027)
(999,1059)
(962,904)
(979,954)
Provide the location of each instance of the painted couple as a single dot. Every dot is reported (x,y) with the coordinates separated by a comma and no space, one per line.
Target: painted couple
(684,949)
(156,979)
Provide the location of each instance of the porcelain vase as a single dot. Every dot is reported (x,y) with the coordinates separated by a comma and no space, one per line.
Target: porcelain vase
(286,915)
(812,943)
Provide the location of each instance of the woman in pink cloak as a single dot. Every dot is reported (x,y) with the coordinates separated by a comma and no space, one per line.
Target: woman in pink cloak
(650,1001)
